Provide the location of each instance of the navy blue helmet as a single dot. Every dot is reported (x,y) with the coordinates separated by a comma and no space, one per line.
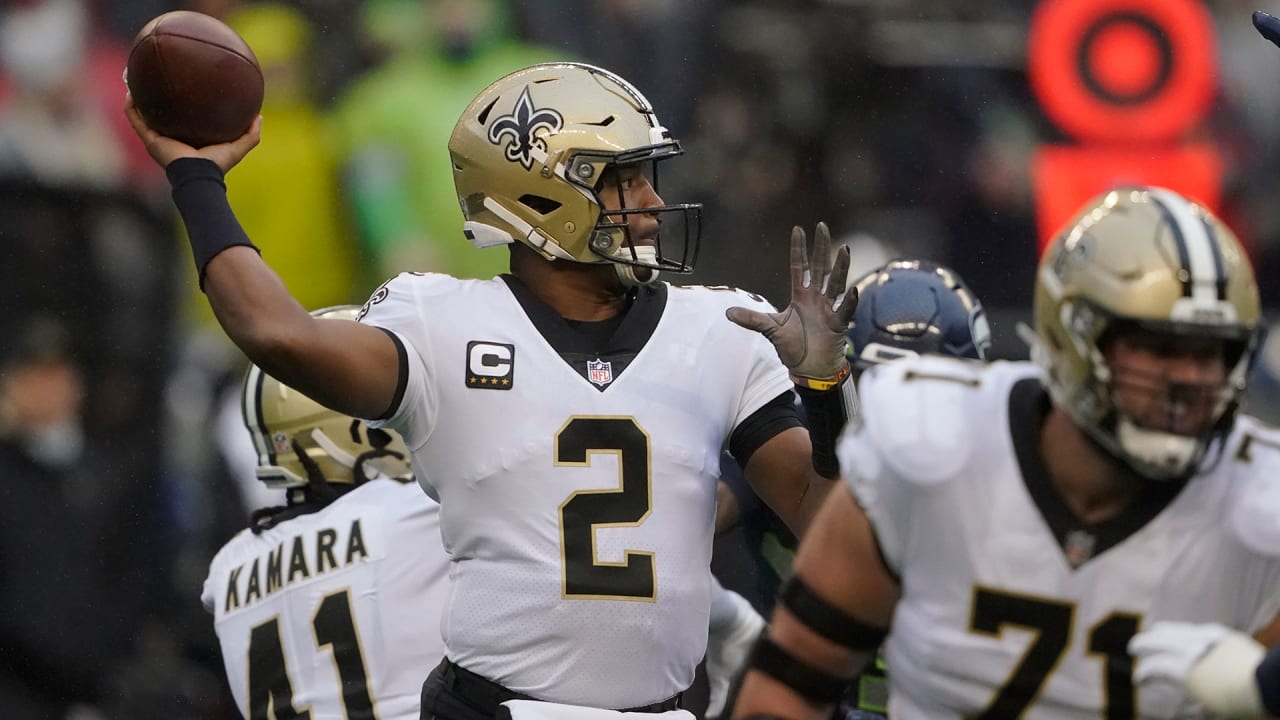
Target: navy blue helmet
(915,307)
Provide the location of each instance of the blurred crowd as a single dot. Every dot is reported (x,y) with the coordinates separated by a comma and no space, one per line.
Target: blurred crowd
(906,125)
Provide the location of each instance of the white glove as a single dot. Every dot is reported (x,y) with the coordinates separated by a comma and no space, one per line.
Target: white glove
(1212,662)
(732,633)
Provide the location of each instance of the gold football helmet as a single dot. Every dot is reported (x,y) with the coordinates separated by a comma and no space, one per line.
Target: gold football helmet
(1143,259)
(300,441)
(529,156)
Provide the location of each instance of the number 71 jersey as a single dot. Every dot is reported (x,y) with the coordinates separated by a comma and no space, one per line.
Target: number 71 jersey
(1011,607)
(576,474)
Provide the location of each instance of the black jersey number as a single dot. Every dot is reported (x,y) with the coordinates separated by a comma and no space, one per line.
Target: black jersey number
(271,692)
(584,575)
(1051,621)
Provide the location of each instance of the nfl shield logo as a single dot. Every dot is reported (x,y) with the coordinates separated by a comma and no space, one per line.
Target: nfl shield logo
(1078,547)
(600,372)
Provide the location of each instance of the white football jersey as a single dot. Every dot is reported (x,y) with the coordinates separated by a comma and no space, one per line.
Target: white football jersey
(577,483)
(336,611)
(1010,606)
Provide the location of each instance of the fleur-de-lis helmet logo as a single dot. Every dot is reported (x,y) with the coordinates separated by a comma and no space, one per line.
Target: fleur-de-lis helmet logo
(521,129)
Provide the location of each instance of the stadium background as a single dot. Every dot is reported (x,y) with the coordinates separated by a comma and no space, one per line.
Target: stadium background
(911,127)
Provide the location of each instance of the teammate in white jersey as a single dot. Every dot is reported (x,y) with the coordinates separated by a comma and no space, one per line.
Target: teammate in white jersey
(569,416)
(1012,526)
(331,604)
(906,308)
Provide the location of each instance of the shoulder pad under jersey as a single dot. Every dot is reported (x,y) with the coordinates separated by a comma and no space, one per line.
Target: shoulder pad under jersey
(430,283)
(926,415)
(728,296)
(413,287)
(1253,451)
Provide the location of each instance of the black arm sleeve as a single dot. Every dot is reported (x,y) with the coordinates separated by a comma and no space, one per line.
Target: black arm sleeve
(759,428)
(201,197)
(826,413)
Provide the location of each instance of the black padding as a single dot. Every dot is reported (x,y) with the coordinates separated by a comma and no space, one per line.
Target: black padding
(831,623)
(815,685)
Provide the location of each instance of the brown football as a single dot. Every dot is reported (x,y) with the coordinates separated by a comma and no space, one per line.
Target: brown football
(194,79)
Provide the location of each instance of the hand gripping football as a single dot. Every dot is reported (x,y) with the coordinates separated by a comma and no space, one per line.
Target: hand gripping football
(194,79)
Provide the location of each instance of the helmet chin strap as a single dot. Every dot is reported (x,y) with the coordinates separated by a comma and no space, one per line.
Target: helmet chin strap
(635,275)
(1166,455)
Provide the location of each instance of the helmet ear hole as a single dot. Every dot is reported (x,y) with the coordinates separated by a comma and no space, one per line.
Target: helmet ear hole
(539,204)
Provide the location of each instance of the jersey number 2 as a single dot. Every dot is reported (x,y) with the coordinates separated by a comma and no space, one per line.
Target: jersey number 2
(271,693)
(1051,620)
(585,576)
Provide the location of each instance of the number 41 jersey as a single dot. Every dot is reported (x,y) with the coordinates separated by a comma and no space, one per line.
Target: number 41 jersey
(576,475)
(336,612)
(1011,607)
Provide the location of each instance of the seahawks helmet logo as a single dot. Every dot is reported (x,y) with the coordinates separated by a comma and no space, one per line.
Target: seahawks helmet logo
(521,129)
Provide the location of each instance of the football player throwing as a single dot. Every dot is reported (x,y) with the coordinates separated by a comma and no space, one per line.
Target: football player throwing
(569,416)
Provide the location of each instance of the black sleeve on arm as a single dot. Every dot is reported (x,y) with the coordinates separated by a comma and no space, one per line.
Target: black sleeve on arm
(760,426)
(201,197)
(826,412)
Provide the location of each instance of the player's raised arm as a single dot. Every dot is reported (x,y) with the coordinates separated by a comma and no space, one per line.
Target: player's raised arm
(809,336)
(349,367)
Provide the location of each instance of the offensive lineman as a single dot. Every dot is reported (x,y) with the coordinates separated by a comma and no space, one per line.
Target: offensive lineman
(1011,527)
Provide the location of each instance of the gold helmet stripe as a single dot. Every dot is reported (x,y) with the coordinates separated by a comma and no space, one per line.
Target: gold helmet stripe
(1204,278)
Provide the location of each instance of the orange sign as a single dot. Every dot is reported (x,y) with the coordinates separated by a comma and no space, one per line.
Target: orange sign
(1128,80)
(1067,176)
(1123,70)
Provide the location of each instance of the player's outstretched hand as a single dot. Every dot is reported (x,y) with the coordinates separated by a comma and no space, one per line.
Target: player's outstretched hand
(809,334)
(165,150)
(1268,25)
